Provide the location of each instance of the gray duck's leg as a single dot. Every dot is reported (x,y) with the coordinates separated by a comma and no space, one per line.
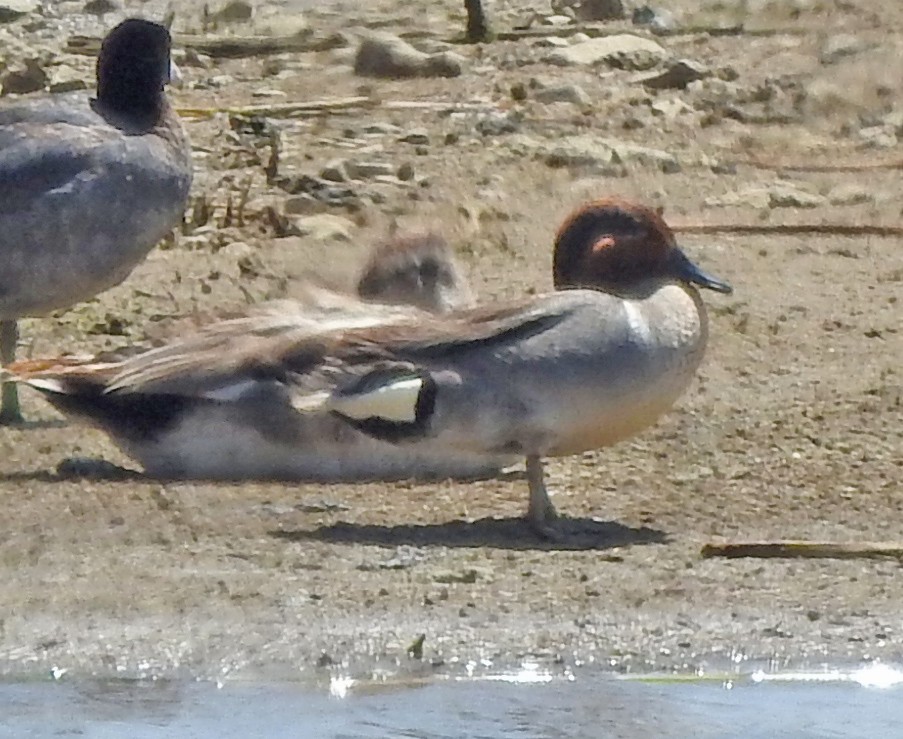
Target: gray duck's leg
(541,513)
(10,412)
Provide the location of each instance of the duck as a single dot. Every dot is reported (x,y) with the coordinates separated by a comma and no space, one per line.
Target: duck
(415,268)
(593,362)
(88,185)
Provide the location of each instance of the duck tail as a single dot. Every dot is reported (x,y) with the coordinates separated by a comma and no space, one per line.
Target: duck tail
(61,375)
(80,388)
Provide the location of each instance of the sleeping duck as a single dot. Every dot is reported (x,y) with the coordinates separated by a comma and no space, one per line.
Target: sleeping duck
(87,185)
(329,389)
(416,269)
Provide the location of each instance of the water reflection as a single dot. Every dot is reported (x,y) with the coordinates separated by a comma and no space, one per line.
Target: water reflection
(526,703)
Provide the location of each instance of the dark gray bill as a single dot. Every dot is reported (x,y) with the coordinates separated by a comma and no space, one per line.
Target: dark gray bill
(683,268)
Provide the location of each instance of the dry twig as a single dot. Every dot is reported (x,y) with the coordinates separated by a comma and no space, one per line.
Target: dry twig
(791,229)
(231,47)
(804,549)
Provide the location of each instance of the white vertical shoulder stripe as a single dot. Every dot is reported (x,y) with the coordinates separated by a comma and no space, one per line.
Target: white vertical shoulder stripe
(637,322)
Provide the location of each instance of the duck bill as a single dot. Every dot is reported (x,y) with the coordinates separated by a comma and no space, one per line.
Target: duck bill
(686,270)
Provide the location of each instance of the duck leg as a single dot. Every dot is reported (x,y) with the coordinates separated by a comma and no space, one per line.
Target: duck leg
(9,404)
(541,513)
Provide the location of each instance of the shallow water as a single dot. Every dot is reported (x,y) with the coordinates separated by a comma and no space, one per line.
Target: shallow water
(867,703)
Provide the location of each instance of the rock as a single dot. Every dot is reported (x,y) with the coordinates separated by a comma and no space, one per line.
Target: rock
(325,227)
(288,24)
(380,129)
(299,205)
(589,151)
(335,171)
(600,10)
(840,46)
(328,193)
(678,75)
(405,172)
(268,92)
(786,195)
(573,94)
(623,51)
(100,7)
(418,137)
(849,193)
(670,108)
(877,137)
(519,92)
(778,195)
(64,78)
(498,124)
(11,10)
(728,168)
(557,20)
(894,119)
(753,197)
(552,42)
(384,55)
(236,11)
(658,20)
(23,77)
(368,170)
(191,58)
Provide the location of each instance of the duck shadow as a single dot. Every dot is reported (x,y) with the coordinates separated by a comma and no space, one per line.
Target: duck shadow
(576,534)
(97,469)
(73,469)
